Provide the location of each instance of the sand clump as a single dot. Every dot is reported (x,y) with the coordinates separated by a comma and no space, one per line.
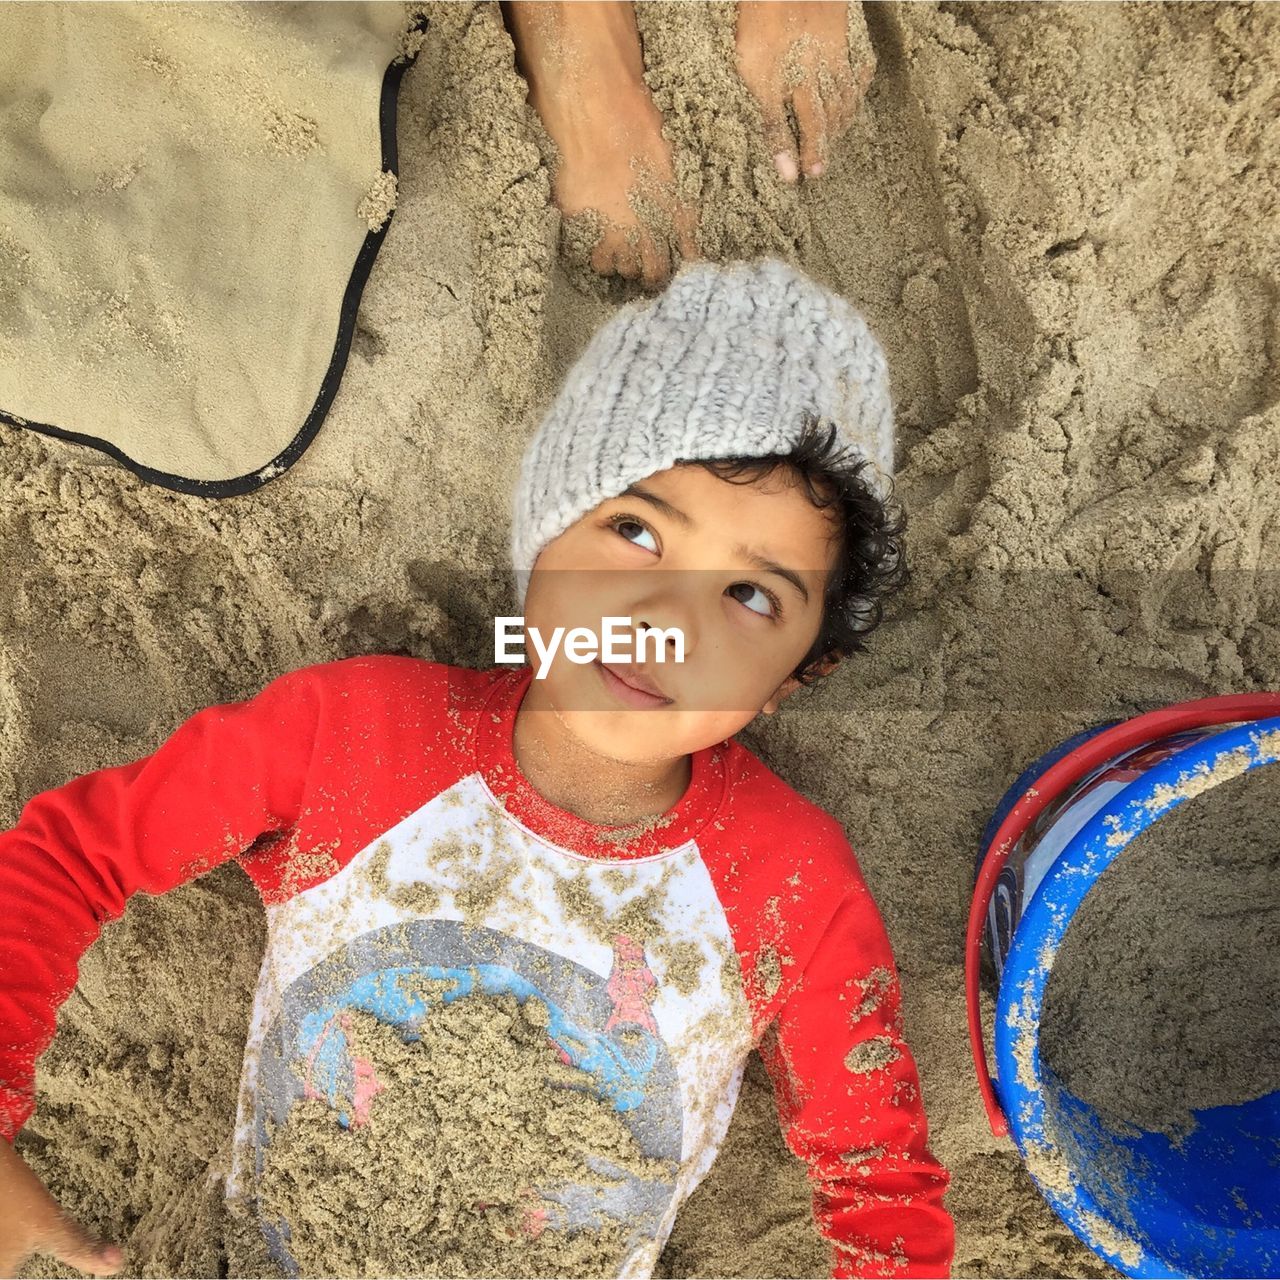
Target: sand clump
(871,1055)
(478,1126)
(1164,997)
(1059,220)
(377,205)
(138,1091)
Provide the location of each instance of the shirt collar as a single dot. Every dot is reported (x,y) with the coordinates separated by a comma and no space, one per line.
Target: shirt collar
(495,759)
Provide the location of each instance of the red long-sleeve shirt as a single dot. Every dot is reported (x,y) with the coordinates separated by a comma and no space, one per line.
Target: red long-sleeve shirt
(367,798)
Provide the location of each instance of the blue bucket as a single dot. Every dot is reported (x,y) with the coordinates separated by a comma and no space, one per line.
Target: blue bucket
(1204,1205)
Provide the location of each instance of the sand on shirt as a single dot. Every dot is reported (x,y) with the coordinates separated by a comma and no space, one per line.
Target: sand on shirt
(1060,222)
(484,1155)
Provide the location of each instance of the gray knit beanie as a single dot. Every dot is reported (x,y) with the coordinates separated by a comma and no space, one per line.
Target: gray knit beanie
(725,362)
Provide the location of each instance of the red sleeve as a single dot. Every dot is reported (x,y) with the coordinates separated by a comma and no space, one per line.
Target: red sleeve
(849,1102)
(226,776)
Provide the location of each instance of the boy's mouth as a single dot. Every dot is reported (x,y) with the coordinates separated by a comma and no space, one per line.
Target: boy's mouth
(631,685)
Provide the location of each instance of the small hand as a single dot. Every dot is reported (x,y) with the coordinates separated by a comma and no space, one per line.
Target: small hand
(32,1221)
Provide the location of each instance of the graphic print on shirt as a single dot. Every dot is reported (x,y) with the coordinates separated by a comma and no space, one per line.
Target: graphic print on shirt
(460,903)
(603,1029)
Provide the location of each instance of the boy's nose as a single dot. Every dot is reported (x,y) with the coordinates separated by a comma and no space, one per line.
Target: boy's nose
(645,625)
(653,620)
(662,602)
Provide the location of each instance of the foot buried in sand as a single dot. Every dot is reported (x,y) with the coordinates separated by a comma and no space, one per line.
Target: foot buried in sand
(613,176)
(810,60)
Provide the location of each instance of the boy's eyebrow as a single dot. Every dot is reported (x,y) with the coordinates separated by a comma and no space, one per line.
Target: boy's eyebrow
(638,491)
(746,553)
(770,566)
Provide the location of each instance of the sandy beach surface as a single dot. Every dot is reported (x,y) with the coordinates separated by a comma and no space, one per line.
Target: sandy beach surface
(1061,222)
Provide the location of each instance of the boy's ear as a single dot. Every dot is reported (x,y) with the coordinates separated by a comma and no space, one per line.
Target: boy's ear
(824,667)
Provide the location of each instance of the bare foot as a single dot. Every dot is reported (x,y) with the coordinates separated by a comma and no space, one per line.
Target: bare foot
(585,71)
(798,52)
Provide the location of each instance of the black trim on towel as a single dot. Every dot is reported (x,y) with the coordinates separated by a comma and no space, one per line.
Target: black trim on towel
(341,350)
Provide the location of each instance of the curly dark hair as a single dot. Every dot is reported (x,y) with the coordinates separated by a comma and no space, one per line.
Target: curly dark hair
(871,564)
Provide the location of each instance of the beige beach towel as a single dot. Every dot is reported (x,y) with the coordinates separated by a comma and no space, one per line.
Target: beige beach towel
(191,198)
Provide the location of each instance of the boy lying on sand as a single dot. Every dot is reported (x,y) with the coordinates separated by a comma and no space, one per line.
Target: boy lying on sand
(571,905)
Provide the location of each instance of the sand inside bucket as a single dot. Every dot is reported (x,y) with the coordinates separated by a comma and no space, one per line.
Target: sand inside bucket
(1164,998)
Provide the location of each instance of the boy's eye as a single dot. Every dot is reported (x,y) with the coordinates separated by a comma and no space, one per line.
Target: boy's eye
(622,521)
(767,606)
(772,605)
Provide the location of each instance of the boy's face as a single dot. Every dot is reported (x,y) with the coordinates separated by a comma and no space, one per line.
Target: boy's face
(677,550)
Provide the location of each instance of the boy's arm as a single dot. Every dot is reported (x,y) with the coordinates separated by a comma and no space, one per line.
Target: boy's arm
(849,1102)
(226,776)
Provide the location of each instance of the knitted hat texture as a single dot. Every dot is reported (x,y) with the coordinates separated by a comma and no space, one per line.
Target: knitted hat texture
(725,362)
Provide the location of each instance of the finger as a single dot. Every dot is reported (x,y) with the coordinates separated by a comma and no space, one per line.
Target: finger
(811,119)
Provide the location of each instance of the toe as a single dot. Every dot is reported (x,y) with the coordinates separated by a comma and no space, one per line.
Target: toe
(627,258)
(687,232)
(843,106)
(841,112)
(604,257)
(655,266)
(861,54)
(629,254)
(629,264)
(811,119)
(781,145)
(863,74)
